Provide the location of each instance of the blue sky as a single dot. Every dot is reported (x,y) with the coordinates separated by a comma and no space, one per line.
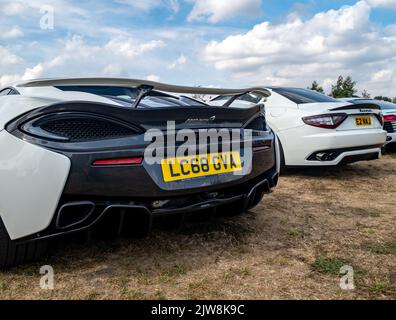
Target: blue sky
(203,42)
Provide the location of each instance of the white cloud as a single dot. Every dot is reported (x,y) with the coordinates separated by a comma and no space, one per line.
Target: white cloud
(8,79)
(112,70)
(11,33)
(61,7)
(297,52)
(390,4)
(218,10)
(382,76)
(153,77)
(130,48)
(148,5)
(75,57)
(33,73)
(8,58)
(178,63)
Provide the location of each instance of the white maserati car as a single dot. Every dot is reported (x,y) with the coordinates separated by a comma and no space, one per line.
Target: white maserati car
(389,112)
(318,130)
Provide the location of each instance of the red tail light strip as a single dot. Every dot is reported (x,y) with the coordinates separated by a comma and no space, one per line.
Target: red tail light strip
(118,161)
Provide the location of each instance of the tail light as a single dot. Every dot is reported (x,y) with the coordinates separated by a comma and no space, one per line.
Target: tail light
(326,121)
(390,118)
(118,161)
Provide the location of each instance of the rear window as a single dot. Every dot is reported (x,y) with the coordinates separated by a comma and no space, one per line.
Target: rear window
(5,92)
(244,101)
(301,96)
(128,95)
(117,92)
(383,104)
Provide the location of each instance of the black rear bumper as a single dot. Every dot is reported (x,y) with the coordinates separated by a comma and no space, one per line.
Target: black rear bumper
(240,198)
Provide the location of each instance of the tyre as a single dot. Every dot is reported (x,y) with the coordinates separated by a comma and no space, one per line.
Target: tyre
(283,167)
(13,254)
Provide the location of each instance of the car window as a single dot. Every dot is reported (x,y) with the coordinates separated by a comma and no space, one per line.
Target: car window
(117,92)
(13,92)
(4,92)
(386,105)
(244,101)
(128,96)
(301,96)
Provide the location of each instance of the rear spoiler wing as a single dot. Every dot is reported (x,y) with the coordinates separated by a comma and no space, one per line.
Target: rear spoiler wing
(141,83)
(370,106)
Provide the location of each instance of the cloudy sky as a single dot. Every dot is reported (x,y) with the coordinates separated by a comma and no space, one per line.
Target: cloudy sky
(227,43)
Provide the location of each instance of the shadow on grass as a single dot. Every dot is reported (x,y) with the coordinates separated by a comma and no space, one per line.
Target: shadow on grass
(367,169)
(197,239)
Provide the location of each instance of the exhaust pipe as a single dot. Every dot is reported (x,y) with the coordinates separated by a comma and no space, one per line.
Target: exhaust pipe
(73,213)
(324,156)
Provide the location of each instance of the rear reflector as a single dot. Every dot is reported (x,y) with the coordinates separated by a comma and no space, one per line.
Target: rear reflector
(118,161)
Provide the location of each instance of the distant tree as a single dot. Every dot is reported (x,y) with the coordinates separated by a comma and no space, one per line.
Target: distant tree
(383,98)
(365,94)
(316,87)
(344,88)
(394,100)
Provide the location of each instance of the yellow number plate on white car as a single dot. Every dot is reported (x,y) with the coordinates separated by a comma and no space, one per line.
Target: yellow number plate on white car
(181,168)
(363,121)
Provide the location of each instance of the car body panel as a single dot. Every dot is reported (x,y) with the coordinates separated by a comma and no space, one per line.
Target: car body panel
(304,142)
(32,181)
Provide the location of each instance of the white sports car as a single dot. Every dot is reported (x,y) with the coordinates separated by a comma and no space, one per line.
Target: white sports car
(318,130)
(389,112)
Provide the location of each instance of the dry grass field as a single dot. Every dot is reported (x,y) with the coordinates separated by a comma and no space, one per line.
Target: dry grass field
(289,247)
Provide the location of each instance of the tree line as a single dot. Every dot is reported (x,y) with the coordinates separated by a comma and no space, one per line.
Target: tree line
(346,88)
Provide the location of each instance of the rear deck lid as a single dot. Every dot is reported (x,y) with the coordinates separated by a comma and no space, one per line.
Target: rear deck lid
(358,117)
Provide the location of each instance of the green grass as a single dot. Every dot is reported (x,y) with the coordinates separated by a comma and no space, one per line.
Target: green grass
(328,265)
(382,248)
(293,233)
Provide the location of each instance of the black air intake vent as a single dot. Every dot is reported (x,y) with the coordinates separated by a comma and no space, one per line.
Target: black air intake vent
(77,128)
(85,129)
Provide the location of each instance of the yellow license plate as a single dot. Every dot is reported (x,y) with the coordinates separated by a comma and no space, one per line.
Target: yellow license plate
(363,121)
(181,168)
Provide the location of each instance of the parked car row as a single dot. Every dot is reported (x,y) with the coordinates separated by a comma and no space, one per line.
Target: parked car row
(318,130)
(75,154)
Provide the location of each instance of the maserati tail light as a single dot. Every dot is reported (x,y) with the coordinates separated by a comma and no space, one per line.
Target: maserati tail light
(390,118)
(326,121)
